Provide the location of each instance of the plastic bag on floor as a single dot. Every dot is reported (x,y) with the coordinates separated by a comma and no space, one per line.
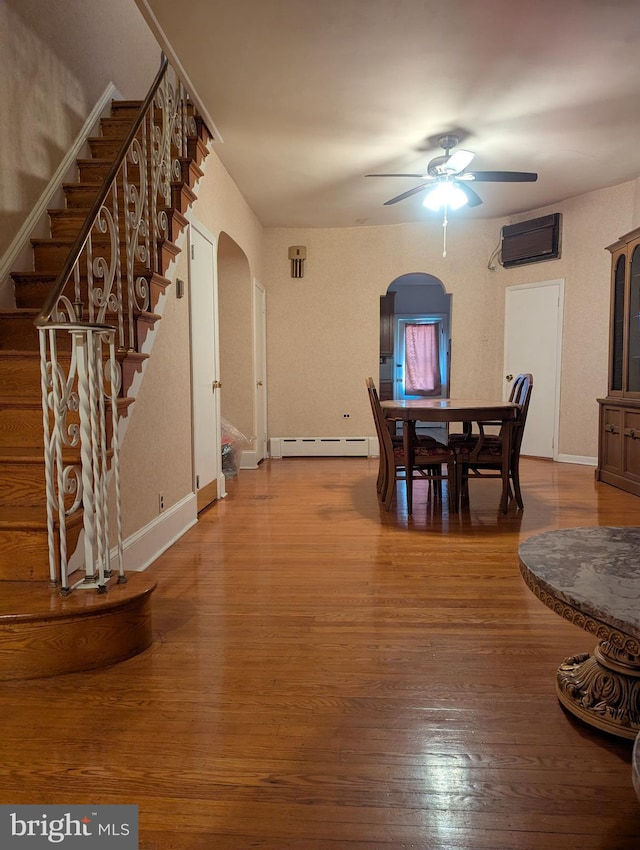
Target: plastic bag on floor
(234,442)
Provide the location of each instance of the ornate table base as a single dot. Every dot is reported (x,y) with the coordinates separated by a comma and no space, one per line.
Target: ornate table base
(591,577)
(602,689)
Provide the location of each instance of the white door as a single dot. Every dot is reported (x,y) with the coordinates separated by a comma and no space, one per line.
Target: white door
(207,463)
(260,370)
(533,343)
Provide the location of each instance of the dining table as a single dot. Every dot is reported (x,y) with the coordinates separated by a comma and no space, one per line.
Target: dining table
(464,410)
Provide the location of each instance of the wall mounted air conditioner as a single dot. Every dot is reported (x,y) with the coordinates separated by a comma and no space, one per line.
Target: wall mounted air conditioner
(531,241)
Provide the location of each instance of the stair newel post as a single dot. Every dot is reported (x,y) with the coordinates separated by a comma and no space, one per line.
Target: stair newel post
(114,383)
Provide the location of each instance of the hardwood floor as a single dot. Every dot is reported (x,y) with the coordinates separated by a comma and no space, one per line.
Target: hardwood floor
(326,675)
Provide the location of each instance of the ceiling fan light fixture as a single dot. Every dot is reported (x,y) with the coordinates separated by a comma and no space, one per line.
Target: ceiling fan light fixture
(445,194)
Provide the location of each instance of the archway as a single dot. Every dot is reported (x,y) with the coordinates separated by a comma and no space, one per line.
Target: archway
(413,299)
(235,316)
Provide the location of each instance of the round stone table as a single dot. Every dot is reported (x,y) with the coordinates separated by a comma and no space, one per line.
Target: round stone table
(591,577)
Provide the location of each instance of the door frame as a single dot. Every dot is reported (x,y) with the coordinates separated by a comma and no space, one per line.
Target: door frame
(260,369)
(559,284)
(216,489)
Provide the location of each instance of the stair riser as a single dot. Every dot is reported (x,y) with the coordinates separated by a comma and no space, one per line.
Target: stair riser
(20,377)
(49,257)
(82,196)
(24,555)
(22,484)
(90,171)
(18,334)
(21,427)
(115,128)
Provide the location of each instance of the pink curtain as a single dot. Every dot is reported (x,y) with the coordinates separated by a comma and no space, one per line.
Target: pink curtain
(422,359)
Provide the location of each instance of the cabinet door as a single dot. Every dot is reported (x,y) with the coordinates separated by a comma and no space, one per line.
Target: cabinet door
(633,326)
(387,308)
(611,437)
(631,444)
(617,324)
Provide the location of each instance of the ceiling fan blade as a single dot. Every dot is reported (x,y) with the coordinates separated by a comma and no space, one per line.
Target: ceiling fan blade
(408,194)
(457,162)
(503,176)
(394,175)
(473,199)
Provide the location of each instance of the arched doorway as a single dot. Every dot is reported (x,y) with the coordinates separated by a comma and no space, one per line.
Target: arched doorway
(415,315)
(235,321)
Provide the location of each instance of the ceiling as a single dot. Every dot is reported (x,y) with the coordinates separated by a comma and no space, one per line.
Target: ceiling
(308,97)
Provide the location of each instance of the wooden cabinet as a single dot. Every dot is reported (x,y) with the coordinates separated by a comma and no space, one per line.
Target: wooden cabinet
(619,439)
(387,308)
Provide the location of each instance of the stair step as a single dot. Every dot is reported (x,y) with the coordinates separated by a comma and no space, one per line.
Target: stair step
(21,422)
(22,480)
(18,331)
(104,148)
(24,549)
(190,170)
(125,108)
(45,634)
(93,170)
(116,127)
(50,254)
(80,194)
(20,372)
(182,196)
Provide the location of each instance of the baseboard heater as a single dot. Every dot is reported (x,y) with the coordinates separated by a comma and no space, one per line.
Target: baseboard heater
(321,447)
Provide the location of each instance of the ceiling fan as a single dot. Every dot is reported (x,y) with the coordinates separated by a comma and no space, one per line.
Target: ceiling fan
(448,179)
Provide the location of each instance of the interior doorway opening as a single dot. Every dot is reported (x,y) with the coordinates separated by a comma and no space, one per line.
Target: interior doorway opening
(415,338)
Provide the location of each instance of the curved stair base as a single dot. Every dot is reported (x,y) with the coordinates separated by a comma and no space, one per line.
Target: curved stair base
(44,634)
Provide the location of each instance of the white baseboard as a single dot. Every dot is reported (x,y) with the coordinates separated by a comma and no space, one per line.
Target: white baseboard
(585,460)
(249,459)
(321,447)
(148,543)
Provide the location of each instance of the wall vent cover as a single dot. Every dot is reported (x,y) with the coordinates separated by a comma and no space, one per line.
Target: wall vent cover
(531,241)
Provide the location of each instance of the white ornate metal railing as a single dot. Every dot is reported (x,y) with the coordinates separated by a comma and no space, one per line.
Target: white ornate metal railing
(89,323)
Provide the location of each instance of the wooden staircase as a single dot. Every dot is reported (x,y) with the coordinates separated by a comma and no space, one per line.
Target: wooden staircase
(32,614)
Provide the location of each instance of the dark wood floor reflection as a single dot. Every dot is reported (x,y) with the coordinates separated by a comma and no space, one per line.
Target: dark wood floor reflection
(326,675)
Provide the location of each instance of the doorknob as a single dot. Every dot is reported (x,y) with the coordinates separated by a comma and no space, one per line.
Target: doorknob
(216,385)
(258,383)
(509,377)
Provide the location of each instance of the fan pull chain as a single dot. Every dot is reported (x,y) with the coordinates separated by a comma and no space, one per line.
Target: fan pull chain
(445,222)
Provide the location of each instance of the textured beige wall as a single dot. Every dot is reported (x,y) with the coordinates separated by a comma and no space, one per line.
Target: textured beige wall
(56,60)
(323,330)
(156,452)
(590,223)
(224,212)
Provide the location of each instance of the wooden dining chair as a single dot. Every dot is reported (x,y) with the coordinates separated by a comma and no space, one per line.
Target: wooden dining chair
(429,457)
(496,455)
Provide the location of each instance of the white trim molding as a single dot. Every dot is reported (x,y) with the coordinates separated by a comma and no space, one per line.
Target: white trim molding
(584,460)
(146,545)
(322,447)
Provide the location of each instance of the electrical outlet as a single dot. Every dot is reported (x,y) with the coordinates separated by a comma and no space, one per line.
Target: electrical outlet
(160,502)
